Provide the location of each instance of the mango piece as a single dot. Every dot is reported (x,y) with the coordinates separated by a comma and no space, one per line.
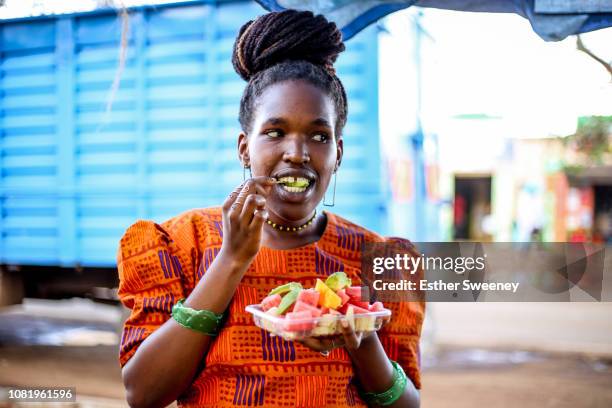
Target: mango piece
(350,316)
(287,287)
(326,326)
(328,297)
(337,281)
(298,183)
(273,311)
(288,300)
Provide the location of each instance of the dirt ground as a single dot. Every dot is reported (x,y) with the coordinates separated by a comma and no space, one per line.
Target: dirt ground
(540,381)
(458,378)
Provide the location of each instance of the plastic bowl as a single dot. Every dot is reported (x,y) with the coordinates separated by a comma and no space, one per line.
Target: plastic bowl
(326,325)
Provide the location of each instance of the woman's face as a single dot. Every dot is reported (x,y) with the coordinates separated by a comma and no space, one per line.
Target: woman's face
(293,136)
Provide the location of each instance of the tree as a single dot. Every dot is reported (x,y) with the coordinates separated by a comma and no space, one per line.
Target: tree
(581,47)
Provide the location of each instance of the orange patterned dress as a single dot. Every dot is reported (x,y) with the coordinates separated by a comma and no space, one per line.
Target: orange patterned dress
(161,263)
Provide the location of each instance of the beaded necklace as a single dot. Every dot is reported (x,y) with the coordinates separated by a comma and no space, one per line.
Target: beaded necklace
(291,229)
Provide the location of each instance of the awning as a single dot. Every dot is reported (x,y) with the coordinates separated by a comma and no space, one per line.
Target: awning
(599,175)
(552,20)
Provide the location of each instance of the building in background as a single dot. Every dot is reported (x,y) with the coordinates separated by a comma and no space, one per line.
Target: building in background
(470,128)
(584,183)
(508,188)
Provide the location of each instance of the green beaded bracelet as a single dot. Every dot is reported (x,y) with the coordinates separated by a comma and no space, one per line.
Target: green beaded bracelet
(393,393)
(204,321)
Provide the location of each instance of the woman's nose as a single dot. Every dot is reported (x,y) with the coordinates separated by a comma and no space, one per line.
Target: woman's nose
(296,150)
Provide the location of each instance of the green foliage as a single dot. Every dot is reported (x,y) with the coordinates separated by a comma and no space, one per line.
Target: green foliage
(592,138)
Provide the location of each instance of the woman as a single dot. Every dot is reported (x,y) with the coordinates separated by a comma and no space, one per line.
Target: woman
(266,233)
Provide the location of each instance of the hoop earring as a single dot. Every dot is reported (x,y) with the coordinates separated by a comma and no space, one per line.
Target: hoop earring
(334,194)
(244,172)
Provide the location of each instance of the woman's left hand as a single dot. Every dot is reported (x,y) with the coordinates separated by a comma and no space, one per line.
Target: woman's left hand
(350,339)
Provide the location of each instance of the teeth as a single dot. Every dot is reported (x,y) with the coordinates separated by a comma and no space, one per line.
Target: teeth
(294,189)
(290,179)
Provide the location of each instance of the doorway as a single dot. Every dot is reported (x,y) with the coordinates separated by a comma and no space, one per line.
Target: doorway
(472,203)
(602,213)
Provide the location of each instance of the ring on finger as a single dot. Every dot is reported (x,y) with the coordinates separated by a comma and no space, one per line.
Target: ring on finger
(325,353)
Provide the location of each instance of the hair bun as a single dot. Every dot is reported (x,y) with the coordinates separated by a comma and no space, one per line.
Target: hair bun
(286,35)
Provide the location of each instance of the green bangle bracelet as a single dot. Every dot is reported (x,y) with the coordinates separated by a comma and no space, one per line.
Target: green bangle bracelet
(203,321)
(391,395)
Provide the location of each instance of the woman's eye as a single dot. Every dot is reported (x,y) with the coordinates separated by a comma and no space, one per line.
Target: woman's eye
(320,137)
(273,133)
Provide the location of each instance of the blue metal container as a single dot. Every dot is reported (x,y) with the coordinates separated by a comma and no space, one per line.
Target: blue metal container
(74,177)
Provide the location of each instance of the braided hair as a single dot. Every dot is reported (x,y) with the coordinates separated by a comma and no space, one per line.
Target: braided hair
(288,45)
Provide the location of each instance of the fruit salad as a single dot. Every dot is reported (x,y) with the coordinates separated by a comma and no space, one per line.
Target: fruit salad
(294,312)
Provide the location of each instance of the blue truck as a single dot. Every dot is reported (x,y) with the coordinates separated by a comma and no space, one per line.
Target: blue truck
(75,174)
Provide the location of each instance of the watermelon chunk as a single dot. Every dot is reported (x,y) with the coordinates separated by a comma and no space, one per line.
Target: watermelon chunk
(363,305)
(344,308)
(359,310)
(376,307)
(270,302)
(298,321)
(343,296)
(356,309)
(354,292)
(300,306)
(309,296)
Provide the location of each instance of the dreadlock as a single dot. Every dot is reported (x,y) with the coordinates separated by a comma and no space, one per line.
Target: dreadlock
(288,45)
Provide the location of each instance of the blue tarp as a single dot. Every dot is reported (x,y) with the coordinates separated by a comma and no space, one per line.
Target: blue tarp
(552,20)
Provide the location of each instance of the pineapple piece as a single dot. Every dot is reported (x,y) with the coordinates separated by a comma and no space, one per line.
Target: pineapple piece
(327,296)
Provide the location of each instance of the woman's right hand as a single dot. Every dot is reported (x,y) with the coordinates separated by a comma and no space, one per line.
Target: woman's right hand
(244,214)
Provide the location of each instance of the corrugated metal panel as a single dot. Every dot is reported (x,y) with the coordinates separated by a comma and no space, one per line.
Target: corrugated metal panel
(74,177)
